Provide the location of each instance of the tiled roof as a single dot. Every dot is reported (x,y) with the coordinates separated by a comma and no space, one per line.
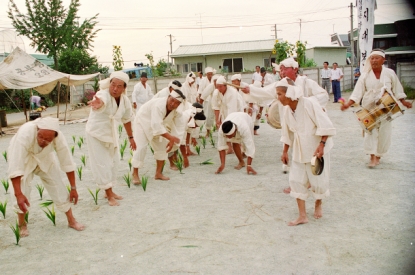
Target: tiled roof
(224,48)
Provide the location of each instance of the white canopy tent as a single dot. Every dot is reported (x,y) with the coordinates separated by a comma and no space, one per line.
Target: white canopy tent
(19,70)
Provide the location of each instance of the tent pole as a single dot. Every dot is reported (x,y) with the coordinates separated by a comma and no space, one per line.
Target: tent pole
(66,107)
(59,91)
(24,104)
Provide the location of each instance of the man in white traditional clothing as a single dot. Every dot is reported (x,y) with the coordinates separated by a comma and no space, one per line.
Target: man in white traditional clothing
(373,82)
(207,106)
(142,92)
(159,123)
(193,118)
(306,128)
(226,100)
(256,76)
(165,92)
(109,108)
(238,128)
(189,89)
(40,148)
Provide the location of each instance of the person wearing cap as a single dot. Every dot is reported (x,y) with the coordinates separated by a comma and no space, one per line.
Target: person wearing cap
(109,108)
(238,128)
(207,105)
(369,89)
(256,76)
(189,88)
(165,92)
(306,128)
(159,124)
(39,148)
(193,118)
(142,92)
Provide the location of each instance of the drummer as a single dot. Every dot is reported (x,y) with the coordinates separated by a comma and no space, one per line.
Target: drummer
(368,89)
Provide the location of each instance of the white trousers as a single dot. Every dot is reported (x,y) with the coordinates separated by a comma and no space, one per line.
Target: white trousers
(379,141)
(158,144)
(103,160)
(300,175)
(209,113)
(53,183)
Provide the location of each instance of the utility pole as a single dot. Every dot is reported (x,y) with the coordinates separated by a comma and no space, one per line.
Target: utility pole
(275,30)
(352,45)
(171,49)
(299,37)
(201,26)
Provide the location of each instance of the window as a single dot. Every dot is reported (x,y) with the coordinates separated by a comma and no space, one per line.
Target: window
(193,67)
(266,62)
(185,68)
(178,68)
(232,65)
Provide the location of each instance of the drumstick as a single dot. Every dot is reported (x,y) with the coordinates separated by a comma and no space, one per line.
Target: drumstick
(233,85)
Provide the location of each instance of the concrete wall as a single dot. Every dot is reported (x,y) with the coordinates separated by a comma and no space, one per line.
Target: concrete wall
(406,73)
(329,54)
(249,60)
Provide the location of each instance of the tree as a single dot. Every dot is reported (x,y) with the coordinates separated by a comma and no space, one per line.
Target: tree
(78,61)
(52,28)
(117,60)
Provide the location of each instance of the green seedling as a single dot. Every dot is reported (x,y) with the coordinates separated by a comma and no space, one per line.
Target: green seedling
(204,142)
(206,162)
(72,149)
(68,187)
(122,148)
(151,149)
(5,155)
(26,217)
(79,172)
(46,203)
(144,180)
(51,214)
(197,148)
(127,179)
(201,127)
(5,183)
(81,139)
(79,144)
(95,197)
(40,189)
(16,231)
(74,139)
(179,162)
(83,160)
(3,206)
(262,120)
(212,141)
(214,128)
(130,165)
(119,130)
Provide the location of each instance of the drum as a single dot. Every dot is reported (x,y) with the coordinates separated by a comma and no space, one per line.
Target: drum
(273,115)
(365,118)
(389,104)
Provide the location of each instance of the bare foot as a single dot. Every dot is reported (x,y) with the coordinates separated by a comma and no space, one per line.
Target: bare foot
(377,160)
(161,177)
(77,226)
(115,196)
(256,133)
(136,180)
(373,161)
(318,211)
(190,153)
(239,166)
(300,220)
(174,168)
(24,232)
(113,202)
(186,163)
(287,190)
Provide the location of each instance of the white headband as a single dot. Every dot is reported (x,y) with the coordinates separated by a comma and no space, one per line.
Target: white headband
(293,92)
(236,77)
(289,62)
(208,70)
(377,53)
(233,129)
(48,123)
(174,86)
(221,80)
(176,96)
(105,84)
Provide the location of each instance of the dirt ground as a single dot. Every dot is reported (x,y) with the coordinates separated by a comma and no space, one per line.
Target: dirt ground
(232,223)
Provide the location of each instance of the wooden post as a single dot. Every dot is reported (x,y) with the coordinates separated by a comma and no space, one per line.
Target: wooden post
(59,91)
(66,106)
(24,104)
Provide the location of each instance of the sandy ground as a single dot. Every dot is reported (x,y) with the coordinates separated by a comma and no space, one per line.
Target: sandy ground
(202,223)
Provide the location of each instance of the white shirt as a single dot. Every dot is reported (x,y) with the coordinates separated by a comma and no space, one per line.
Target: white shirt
(257,77)
(325,73)
(336,74)
(141,95)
